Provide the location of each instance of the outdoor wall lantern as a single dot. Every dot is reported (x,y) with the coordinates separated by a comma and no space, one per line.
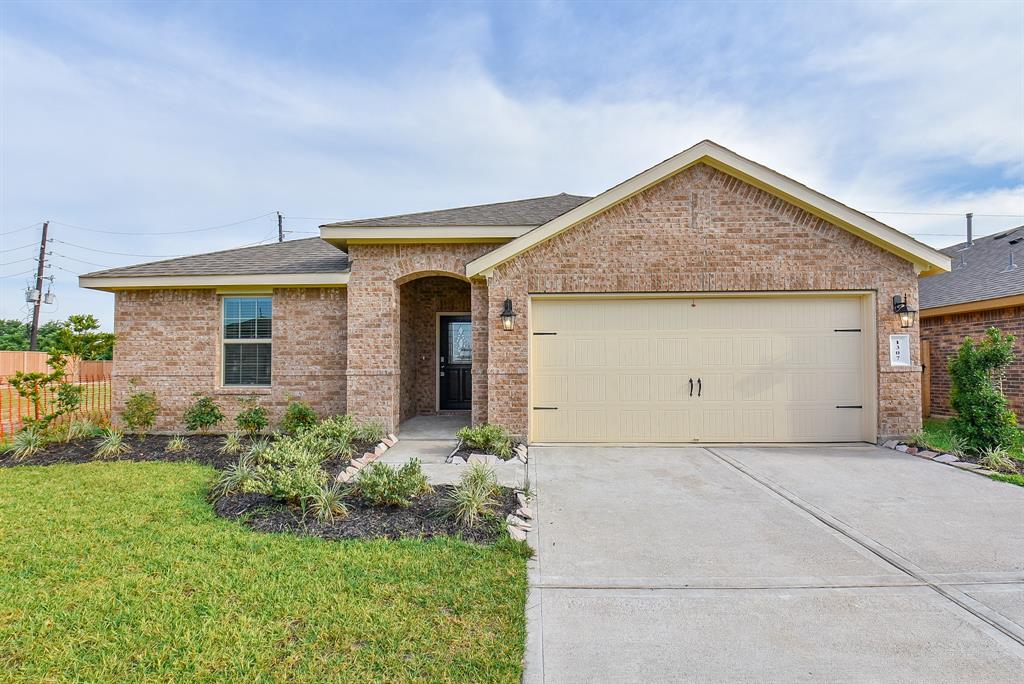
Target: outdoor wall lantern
(508,317)
(907,315)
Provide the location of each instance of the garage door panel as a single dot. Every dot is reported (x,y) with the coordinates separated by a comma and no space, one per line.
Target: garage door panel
(771,369)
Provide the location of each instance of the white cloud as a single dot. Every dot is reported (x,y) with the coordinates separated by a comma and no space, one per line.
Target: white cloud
(168,127)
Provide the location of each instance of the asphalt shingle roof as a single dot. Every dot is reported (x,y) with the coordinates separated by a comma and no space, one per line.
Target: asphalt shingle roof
(983,274)
(526,212)
(310,255)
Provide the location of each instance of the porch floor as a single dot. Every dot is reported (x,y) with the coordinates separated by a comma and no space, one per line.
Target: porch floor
(431,439)
(433,428)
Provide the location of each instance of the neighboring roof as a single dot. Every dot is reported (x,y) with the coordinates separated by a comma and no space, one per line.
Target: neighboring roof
(925,258)
(982,276)
(525,212)
(306,261)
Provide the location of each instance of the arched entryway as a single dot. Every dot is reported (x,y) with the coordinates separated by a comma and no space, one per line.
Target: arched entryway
(435,346)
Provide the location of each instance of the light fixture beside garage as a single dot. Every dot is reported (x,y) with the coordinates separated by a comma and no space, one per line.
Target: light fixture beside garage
(508,317)
(906,314)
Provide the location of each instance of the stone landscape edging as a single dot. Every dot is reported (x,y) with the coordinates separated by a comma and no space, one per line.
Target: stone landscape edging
(938,457)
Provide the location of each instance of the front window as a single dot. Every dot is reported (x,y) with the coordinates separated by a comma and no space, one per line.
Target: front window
(247,335)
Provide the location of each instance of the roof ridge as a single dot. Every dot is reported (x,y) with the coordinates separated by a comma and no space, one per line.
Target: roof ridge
(410,214)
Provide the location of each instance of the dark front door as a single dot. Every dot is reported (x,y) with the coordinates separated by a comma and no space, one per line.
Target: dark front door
(456,363)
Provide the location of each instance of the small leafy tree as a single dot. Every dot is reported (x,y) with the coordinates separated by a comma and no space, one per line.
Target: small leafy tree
(80,336)
(202,414)
(252,419)
(140,411)
(298,416)
(50,395)
(983,420)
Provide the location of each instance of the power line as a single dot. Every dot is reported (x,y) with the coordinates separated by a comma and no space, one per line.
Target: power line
(936,213)
(164,232)
(90,263)
(14,249)
(102,251)
(23,273)
(18,230)
(18,261)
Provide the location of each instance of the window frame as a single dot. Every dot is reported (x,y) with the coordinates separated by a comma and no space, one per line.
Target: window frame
(225,341)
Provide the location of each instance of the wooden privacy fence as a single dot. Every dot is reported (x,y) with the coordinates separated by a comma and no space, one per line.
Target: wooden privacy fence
(35,362)
(28,361)
(14,408)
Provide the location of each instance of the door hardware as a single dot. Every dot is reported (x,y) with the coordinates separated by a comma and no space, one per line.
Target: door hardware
(545,408)
(698,387)
(691,387)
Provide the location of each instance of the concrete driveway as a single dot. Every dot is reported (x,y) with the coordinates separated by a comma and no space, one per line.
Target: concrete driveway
(820,563)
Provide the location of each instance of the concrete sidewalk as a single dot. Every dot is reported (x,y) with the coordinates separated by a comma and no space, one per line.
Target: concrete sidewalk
(795,564)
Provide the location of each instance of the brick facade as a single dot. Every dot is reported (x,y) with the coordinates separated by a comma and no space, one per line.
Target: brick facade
(947,332)
(374,322)
(373,351)
(702,231)
(168,341)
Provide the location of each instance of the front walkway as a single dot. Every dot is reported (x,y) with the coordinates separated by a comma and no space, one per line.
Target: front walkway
(772,564)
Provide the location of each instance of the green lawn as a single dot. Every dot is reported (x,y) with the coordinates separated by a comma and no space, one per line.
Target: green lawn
(937,432)
(118,572)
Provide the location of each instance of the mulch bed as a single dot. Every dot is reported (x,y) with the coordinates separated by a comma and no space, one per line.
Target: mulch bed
(204,449)
(465,451)
(422,520)
(974,459)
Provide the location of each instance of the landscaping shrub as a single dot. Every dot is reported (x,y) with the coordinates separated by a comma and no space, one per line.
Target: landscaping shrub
(237,477)
(232,444)
(298,416)
(382,485)
(983,419)
(475,495)
(27,442)
(492,439)
(140,411)
(80,429)
(290,470)
(252,419)
(259,447)
(37,387)
(111,444)
(369,432)
(997,459)
(202,414)
(176,444)
(328,503)
(336,434)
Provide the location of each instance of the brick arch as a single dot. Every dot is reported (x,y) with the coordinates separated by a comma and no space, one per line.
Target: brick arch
(431,273)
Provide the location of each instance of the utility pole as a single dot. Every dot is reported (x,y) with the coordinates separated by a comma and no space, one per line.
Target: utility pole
(280,228)
(33,344)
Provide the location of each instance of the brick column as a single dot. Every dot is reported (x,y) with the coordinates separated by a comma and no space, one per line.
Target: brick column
(481,334)
(373,346)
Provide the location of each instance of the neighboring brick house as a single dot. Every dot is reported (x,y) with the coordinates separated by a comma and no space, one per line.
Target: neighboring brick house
(984,289)
(708,298)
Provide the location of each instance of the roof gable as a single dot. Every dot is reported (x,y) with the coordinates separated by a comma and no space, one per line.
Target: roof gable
(926,259)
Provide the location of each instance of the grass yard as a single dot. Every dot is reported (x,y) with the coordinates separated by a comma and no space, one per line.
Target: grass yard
(120,571)
(937,433)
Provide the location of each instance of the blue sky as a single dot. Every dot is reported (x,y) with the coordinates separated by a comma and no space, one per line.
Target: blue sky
(159,117)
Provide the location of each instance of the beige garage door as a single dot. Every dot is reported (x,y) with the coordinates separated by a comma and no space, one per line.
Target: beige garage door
(757,369)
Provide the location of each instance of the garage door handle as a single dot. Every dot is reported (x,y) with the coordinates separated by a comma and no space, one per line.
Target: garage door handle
(698,387)
(691,387)
(545,408)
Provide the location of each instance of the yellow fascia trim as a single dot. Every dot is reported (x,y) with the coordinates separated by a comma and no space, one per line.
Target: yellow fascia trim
(249,283)
(925,259)
(342,236)
(968,307)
